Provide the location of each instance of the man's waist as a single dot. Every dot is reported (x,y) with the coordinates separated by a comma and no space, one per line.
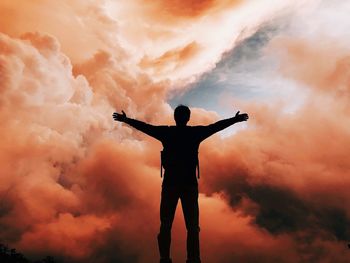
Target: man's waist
(181,177)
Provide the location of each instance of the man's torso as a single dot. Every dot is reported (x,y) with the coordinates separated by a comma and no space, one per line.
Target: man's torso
(180,154)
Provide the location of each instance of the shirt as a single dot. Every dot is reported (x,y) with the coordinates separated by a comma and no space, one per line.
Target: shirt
(180,147)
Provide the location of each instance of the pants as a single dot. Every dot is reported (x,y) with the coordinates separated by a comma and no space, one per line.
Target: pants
(188,195)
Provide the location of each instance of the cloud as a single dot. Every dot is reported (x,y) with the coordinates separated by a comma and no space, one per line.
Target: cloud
(67,170)
(81,27)
(289,185)
(323,67)
(82,188)
(74,236)
(291,166)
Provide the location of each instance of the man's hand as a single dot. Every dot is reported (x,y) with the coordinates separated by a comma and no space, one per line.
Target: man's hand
(241,117)
(119,116)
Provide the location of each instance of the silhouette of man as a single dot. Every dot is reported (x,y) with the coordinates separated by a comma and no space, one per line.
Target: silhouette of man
(180,161)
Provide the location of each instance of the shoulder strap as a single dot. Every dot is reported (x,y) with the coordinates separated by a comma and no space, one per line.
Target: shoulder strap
(161,164)
(197,166)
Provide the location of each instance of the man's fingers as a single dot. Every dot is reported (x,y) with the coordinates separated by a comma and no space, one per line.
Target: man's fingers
(116,116)
(242,117)
(119,114)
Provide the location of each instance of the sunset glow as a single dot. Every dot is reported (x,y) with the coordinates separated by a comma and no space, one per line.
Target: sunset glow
(80,187)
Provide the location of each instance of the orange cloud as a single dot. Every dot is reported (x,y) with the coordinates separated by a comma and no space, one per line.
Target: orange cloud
(288,170)
(175,10)
(75,185)
(65,171)
(60,19)
(323,66)
(171,59)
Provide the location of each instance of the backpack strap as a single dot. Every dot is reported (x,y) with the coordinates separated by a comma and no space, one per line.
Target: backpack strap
(197,167)
(161,164)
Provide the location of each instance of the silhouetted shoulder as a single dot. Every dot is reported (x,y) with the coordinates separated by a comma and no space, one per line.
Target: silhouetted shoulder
(160,132)
(202,132)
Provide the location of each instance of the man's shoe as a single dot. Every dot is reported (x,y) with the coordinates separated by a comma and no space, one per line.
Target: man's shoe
(193,261)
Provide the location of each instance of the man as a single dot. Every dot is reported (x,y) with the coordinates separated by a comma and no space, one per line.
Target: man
(180,161)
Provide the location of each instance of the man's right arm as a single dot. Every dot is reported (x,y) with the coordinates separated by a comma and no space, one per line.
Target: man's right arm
(151,130)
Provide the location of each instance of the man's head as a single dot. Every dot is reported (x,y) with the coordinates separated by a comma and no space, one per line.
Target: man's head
(182,115)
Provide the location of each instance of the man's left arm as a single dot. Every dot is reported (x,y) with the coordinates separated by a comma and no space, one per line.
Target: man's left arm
(223,124)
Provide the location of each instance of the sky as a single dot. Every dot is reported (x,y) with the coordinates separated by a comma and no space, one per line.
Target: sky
(80,187)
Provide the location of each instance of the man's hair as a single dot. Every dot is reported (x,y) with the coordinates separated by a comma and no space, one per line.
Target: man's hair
(182,114)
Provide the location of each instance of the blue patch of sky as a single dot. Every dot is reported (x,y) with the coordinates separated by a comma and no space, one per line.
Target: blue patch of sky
(247,73)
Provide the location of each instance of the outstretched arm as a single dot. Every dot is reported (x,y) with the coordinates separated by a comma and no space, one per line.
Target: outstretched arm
(149,129)
(223,124)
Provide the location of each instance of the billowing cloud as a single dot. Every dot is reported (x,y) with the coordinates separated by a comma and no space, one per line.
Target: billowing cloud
(79,187)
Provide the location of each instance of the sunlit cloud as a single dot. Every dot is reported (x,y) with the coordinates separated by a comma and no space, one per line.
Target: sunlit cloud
(78,186)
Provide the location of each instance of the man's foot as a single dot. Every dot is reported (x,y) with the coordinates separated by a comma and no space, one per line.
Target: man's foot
(193,261)
(165,260)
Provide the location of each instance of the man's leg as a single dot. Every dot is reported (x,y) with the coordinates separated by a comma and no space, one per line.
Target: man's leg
(189,202)
(169,198)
